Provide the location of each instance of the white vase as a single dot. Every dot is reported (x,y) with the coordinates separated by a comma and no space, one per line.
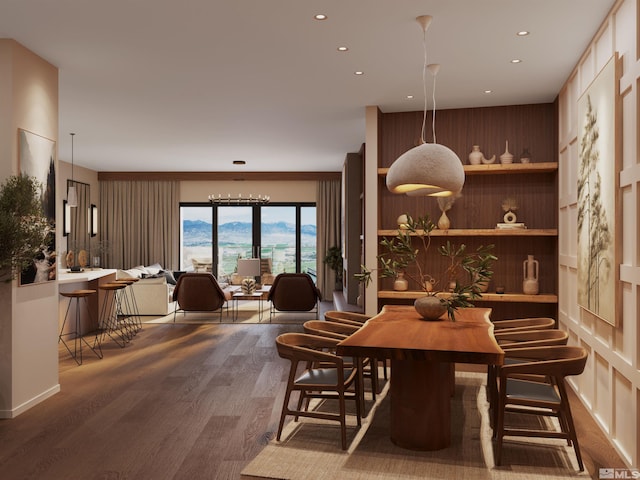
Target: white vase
(530,274)
(506,157)
(444,223)
(400,283)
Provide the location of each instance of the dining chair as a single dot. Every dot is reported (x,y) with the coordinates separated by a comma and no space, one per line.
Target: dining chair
(334,380)
(510,340)
(535,323)
(356,319)
(546,396)
(340,331)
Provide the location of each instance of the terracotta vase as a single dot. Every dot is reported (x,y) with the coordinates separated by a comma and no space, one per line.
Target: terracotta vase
(430,307)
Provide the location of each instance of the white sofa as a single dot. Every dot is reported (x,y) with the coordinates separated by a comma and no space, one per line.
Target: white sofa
(152,295)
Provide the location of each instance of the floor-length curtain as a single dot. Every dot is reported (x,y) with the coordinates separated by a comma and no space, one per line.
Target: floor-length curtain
(140,223)
(328,230)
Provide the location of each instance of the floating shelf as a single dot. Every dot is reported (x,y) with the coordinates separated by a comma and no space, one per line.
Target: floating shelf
(500,169)
(483,232)
(486,297)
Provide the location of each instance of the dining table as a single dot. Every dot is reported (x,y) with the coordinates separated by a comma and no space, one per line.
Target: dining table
(423,354)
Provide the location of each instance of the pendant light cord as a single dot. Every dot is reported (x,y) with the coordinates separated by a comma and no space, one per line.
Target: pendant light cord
(424,85)
(433,118)
(72,134)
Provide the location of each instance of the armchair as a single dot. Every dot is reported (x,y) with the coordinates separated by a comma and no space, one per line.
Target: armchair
(293,292)
(199,292)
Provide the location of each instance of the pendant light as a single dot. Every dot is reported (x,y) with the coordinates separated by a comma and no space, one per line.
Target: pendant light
(430,168)
(72,195)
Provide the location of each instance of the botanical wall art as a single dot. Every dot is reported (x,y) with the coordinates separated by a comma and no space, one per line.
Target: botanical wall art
(37,159)
(597,188)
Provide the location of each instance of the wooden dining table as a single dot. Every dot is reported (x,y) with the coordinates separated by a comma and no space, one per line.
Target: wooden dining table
(423,356)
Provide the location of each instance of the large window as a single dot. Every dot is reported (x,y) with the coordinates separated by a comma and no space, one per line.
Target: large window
(212,238)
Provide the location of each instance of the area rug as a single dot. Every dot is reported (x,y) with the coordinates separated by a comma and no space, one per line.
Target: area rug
(310,449)
(247,313)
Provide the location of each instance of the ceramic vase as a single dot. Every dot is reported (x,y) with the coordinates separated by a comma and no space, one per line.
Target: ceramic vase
(530,274)
(400,283)
(506,157)
(525,157)
(444,223)
(476,156)
(430,307)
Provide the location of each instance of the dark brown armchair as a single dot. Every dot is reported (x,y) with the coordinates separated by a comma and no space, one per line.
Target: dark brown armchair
(198,292)
(293,292)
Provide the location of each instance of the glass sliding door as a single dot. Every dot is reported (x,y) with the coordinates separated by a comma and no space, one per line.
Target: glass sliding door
(308,240)
(234,237)
(278,237)
(196,236)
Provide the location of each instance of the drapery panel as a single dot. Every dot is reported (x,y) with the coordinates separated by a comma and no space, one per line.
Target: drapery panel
(328,231)
(140,223)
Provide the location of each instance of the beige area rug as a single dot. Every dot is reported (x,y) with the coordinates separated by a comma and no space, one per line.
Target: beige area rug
(310,450)
(247,313)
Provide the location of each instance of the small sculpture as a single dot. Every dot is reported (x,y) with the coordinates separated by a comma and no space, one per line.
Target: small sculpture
(476,157)
(509,205)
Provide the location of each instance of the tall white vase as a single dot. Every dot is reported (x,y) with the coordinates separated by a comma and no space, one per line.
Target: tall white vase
(530,274)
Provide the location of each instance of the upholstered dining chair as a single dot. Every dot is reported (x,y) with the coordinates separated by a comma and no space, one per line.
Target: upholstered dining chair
(340,331)
(293,292)
(545,396)
(199,292)
(332,380)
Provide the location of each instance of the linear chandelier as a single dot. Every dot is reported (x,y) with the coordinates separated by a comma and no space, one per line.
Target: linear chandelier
(239,200)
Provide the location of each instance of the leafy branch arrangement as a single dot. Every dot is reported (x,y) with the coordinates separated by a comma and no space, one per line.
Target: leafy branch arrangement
(399,254)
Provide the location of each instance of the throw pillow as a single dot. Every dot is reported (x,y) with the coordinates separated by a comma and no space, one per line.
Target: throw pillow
(154,269)
(169,275)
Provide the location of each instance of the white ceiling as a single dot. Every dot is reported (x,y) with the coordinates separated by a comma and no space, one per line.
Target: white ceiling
(191,85)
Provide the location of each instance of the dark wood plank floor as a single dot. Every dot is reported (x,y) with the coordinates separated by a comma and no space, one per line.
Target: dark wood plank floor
(179,402)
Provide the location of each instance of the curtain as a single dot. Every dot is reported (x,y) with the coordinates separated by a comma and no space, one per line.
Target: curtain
(328,219)
(140,223)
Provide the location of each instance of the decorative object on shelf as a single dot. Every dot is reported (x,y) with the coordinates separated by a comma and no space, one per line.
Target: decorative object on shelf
(248,285)
(476,157)
(333,259)
(402,222)
(509,206)
(530,273)
(500,289)
(507,157)
(445,204)
(239,200)
(429,168)
(399,254)
(70,259)
(400,284)
(83,259)
(525,156)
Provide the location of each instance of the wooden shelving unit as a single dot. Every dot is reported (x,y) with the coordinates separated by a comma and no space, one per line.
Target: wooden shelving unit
(498,168)
(486,297)
(484,232)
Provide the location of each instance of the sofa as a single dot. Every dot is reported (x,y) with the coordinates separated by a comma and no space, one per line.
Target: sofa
(153,291)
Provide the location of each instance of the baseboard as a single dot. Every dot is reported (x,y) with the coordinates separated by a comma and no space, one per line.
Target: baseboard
(30,403)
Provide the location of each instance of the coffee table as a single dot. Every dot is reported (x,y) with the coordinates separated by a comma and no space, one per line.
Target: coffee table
(259,295)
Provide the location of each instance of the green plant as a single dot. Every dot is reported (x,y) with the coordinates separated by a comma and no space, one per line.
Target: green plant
(333,259)
(469,270)
(23,225)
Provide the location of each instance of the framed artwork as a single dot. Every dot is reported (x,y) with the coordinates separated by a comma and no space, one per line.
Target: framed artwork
(598,222)
(37,159)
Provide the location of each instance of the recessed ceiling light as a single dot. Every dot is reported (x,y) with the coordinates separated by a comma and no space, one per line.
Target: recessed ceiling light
(239,162)
(358,72)
(343,49)
(522,33)
(488,91)
(320,16)
(516,60)
(409,97)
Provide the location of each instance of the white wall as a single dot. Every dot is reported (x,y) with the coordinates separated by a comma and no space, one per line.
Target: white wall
(279,191)
(610,385)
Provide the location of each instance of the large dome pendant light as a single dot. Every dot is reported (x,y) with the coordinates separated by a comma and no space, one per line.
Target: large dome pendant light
(72,195)
(429,169)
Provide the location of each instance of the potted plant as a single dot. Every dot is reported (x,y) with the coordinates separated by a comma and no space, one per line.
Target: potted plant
(333,259)
(463,280)
(23,226)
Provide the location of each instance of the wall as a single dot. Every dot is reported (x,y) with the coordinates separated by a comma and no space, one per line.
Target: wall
(610,385)
(28,324)
(279,191)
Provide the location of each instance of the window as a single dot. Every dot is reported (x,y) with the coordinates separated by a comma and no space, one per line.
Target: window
(283,233)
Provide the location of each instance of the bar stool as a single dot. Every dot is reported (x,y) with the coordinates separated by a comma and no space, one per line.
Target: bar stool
(111,314)
(78,338)
(131,306)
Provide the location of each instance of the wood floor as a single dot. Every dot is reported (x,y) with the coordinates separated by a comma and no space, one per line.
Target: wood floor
(178,402)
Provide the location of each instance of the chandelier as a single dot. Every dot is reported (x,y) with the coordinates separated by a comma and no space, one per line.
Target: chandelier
(239,200)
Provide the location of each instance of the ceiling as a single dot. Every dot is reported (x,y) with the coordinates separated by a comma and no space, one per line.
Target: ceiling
(161,85)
